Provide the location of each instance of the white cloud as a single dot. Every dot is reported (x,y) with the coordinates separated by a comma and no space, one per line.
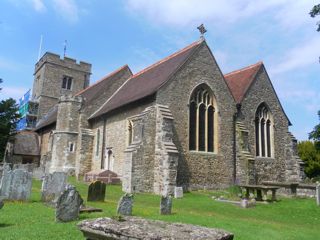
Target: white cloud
(300,56)
(12,92)
(68,9)
(38,5)
(185,13)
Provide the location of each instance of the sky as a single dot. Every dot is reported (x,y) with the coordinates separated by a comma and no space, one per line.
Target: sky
(110,34)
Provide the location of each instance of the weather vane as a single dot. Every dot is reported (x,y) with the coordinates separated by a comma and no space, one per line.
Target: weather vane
(202,30)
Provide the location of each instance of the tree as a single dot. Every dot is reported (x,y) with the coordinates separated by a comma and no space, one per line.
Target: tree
(315,134)
(311,156)
(9,116)
(314,12)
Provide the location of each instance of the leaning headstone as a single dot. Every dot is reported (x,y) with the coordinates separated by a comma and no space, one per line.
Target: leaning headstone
(178,192)
(165,205)
(318,194)
(68,205)
(53,186)
(125,205)
(96,191)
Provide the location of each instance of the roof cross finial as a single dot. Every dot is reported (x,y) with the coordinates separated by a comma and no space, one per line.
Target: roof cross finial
(202,30)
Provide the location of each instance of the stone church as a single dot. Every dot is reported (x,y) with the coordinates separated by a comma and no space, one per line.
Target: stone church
(179,122)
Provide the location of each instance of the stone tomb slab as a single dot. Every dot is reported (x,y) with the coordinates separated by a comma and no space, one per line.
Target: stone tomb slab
(125,205)
(96,191)
(139,228)
(53,186)
(165,205)
(68,205)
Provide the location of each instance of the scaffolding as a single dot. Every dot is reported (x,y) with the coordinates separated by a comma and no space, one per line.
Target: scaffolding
(28,109)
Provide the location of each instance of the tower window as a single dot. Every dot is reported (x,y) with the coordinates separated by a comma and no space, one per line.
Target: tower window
(202,120)
(67,82)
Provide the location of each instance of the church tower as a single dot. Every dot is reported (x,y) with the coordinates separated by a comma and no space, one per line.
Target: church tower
(55,77)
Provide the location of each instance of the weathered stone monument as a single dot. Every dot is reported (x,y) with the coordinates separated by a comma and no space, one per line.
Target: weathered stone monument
(68,205)
(16,184)
(53,186)
(139,228)
(178,192)
(165,205)
(96,191)
(125,205)
(318,193)
(5,181)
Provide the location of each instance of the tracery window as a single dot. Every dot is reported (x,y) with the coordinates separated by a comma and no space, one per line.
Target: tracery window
(264,131)
(202,120)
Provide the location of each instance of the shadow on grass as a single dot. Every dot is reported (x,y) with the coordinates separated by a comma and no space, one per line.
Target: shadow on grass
(3,225)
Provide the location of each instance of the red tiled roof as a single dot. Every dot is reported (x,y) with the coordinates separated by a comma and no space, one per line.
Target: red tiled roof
(240,80)
(147,81)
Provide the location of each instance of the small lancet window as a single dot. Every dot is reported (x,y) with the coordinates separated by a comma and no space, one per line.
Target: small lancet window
(202,120)
(98,142)
(130,135)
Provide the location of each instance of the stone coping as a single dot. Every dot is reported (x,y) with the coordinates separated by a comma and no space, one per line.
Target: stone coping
(132,228)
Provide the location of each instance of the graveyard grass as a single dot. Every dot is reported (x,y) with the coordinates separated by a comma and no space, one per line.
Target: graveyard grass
(286,219)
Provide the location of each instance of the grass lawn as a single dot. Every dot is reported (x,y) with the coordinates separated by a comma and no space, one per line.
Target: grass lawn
(285,219)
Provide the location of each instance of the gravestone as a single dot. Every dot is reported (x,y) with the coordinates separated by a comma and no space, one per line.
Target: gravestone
(15,184)
(125,205)
(5,181)
(53,186)
(165,205)
(96,191)
(178,192)
(68,205)
(318,194)
(21,184)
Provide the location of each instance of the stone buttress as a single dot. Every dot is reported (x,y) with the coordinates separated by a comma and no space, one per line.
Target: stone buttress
(151,160)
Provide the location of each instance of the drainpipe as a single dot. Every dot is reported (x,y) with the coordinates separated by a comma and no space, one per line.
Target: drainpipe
(103,142)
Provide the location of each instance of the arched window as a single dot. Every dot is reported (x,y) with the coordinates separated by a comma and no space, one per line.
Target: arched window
(202,120)
(263,125)
(97,142)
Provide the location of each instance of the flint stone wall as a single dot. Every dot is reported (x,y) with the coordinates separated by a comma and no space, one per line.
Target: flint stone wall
(138,228)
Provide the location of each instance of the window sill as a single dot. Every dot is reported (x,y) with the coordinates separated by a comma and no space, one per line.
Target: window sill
(203,153)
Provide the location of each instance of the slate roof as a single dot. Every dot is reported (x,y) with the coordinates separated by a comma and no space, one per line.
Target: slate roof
(93,90)
(88,93)
(49,118)
(240,80)
(147,81)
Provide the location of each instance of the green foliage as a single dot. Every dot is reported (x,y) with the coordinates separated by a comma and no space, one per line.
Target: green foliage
(311,156)
(315,134)
(8,119)
(314,12)
(286,219)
